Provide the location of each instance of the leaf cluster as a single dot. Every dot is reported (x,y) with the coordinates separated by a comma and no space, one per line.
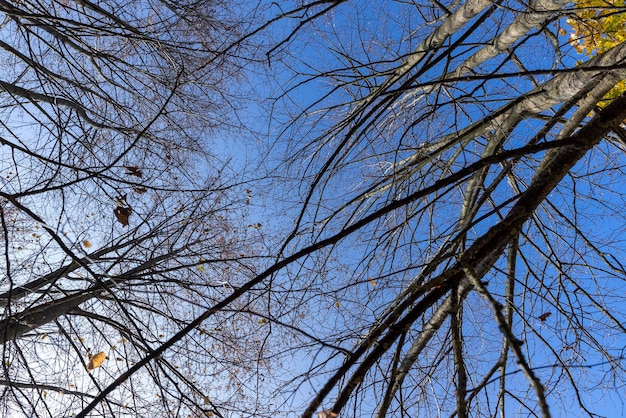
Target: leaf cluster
(599,25)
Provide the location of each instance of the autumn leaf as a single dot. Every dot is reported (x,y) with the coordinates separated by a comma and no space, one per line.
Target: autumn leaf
(140,190)
(96,360)
(122,214)
(598,26)
(121,200)
(200,267)
(372,282)
(86,244)
(133,171)
(327,414)
(544,316)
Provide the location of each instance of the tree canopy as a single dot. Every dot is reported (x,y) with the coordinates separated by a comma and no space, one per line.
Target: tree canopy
(335,207)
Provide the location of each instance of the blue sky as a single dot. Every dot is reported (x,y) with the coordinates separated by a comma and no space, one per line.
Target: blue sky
(382,33)
(302,169)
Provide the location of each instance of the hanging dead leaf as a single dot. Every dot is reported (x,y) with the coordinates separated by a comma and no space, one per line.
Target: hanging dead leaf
(121,200)
(544,316)
(122,214)
(372,282)
(96,360)
(133,171)
(86,244)
(327,414)
(140,190)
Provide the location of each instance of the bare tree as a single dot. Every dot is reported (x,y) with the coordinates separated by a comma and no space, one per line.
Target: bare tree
(442,192)
(456,248)
(117,222)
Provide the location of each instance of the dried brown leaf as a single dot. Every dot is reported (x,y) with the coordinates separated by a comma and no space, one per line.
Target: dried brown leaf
(133,171)
(544,316)
(122,214)
(96,360)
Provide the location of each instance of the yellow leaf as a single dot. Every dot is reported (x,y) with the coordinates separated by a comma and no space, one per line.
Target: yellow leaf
(337,304)
(96,360)
(598,26)
(372,282)
(86,244)
(200,267)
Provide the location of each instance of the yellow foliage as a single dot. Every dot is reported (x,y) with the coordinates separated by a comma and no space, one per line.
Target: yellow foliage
(599,26)
(96,360)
